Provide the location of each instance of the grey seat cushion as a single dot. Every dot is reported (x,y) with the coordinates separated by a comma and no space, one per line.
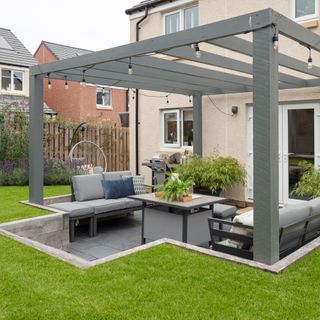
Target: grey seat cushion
(130,203)
(115,175)
(75,209)
(224,211)
(106,205)
(88,187)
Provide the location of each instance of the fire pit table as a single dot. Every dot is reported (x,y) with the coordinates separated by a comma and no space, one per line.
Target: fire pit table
(182,221)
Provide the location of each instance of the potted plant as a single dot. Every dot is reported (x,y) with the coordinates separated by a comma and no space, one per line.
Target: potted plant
(159,190)
(308,186)
(176,189)
(212,174)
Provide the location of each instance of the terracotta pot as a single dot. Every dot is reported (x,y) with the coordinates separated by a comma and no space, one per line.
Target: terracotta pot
(159,194)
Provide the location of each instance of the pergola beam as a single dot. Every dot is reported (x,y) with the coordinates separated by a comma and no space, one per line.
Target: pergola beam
(213,59)
(216,30)
(245,47)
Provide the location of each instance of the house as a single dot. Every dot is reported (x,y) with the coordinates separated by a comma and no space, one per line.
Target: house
(79,102)
(227,118)
(15,61)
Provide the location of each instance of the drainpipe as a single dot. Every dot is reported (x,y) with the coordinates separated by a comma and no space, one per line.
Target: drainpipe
(146,13)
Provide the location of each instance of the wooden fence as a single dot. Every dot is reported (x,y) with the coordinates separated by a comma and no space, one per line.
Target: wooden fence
(111,138)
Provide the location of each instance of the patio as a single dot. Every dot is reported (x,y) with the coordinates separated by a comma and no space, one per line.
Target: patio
(149,70)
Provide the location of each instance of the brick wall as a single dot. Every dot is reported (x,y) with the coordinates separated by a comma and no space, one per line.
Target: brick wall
(78,103)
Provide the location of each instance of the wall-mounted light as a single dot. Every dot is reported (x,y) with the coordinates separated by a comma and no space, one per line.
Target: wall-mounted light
(197,50)
(49,82)
(310,60)
(167,96)
(190,99)
(234,110)
(66,85)
(130,70)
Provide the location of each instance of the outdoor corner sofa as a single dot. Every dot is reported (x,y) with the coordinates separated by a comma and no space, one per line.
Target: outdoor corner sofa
(298,225)
(88,201)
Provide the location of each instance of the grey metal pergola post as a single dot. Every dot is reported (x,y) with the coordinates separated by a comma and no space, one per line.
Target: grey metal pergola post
(265,146)
(197,123)
(36,140)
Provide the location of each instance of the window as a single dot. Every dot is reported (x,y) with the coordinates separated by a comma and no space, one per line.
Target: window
(177,128)
(11,80)
(103,97)
(305,9)
(181,20)
(4,44)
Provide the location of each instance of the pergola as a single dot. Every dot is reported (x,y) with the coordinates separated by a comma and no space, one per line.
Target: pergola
(153,71)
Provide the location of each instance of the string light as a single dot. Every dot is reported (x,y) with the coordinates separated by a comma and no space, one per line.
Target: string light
(309,60)
(49,82)
(83,82)
(66,85)
(275,41)
(197,50)
(130,70)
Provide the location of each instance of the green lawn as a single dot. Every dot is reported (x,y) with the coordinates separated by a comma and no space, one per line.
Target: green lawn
(12,209)
(161,283)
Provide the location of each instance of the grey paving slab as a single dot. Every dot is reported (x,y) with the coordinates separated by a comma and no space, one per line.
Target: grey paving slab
(114,235)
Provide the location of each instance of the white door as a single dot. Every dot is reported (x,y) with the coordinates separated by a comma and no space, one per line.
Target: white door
(299,140)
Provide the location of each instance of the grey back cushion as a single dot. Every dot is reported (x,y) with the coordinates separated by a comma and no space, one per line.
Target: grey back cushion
(88,187)
(115,175)
(289,215)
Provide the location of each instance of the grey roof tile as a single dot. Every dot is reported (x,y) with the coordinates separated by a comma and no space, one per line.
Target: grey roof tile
(61,51)
(19,55)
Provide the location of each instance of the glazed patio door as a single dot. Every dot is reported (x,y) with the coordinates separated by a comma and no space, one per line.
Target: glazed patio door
(299,140)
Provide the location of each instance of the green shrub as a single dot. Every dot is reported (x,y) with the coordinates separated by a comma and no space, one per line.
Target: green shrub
(215,173)
(16,177)
(309,184)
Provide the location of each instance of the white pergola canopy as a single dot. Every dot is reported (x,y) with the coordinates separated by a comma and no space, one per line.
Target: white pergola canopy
(152,70)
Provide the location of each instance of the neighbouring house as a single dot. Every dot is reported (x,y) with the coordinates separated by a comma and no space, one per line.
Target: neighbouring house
(75,101)
(227,119)
(15,61)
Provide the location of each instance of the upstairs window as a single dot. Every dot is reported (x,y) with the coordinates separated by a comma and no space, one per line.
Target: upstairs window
(305,9)
(181,20)
(103,97)
(11,80)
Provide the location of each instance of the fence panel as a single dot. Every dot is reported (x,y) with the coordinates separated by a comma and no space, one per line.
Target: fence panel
(111,138)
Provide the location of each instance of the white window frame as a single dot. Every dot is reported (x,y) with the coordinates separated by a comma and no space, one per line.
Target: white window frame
(102,106)
(181,17)
(171,145)
(12,80)
(306,17)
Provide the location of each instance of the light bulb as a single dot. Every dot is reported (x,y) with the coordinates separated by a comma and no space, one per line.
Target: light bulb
(49,85)
(198,52)
(130,70)
(66,85)
(275,41)
(310,63)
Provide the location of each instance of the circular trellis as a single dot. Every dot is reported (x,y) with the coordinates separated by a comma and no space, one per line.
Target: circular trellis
(86,142)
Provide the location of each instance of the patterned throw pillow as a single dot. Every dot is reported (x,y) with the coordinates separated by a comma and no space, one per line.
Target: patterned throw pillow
(138,184)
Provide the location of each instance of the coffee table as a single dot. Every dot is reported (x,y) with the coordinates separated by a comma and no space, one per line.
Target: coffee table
(182,221)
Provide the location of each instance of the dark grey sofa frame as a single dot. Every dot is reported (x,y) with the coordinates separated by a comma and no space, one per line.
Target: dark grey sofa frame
(217,233)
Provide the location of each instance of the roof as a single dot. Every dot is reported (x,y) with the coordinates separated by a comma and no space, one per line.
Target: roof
(16,53)
(61,51)
(146,4)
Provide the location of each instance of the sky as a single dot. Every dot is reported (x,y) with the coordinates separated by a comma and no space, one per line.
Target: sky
(87,24)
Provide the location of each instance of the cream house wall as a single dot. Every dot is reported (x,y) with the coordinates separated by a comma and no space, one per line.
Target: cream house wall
(227,133)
